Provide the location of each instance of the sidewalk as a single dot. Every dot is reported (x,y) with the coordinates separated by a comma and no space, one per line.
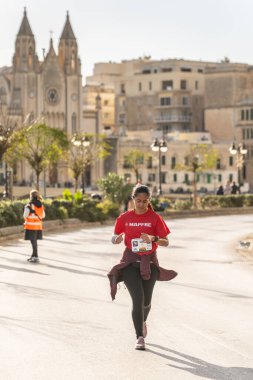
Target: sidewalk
(16,232)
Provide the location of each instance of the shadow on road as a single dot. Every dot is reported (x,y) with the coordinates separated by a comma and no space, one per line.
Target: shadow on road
(22,270)
(200,367)
(227,294)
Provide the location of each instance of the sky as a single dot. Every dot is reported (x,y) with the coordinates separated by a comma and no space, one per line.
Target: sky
(115,30)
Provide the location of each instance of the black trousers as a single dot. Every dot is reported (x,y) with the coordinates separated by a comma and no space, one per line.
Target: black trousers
(34,247)
(141,293)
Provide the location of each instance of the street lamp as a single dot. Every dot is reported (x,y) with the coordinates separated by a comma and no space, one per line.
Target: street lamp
(82,143)
(159,146)
(239,152)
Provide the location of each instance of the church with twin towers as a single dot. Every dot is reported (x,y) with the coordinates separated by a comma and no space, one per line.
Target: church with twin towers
(51,87)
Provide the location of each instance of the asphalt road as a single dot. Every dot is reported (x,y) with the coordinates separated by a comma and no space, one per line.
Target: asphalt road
(57,320)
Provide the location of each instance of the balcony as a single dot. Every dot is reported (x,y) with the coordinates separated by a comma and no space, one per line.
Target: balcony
(172,119)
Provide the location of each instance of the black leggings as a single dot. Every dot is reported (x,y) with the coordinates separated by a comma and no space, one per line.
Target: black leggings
(141,293)
(35,247)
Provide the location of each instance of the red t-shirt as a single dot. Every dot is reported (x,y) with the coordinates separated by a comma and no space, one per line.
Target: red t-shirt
(132,225)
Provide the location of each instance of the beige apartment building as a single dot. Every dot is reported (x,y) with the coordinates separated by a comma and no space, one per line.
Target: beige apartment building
(163,99)
(229,110)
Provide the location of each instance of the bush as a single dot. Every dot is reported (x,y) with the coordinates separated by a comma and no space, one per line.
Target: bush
(108,208)
(248,200)
(182,205)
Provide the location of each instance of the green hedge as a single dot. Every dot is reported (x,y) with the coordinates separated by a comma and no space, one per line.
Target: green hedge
(85,209)
(222,201)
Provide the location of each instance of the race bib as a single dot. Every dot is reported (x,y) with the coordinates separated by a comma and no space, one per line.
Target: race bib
(138,245)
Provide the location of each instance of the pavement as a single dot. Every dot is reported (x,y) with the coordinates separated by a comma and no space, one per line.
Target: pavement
(58,321)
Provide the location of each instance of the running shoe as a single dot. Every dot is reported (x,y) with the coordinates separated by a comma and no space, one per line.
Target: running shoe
(33,259)
(140,344)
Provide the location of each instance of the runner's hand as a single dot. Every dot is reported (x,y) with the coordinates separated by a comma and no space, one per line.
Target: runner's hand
(146,237)
(117,239)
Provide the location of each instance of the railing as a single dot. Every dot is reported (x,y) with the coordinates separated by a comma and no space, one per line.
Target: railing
(166,119)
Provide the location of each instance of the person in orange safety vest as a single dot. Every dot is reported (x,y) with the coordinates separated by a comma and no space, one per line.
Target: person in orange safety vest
(33,214)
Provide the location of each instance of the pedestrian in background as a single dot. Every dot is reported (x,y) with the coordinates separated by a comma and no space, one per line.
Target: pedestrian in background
(234,188)
(220,190)
(227,188)
(33,215)
(139,268)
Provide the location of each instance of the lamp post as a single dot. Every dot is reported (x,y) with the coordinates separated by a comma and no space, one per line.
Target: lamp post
(159,146)
(239,152)
(81,142)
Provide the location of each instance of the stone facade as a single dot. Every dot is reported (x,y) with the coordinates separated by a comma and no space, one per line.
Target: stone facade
(229,109)
(51,88)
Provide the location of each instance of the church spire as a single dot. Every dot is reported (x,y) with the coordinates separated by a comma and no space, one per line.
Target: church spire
(25,29)
(67,33)
(68,50)
(25,58)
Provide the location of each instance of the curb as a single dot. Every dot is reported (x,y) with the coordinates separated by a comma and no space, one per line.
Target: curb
(16,232)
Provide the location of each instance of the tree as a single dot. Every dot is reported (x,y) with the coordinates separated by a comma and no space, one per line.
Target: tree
(7,128)
(201,158)
(112,186)
(40,145)
(85,149)
(134,160)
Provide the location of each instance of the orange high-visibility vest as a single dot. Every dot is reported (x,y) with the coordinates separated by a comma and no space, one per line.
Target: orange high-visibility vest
(34,220)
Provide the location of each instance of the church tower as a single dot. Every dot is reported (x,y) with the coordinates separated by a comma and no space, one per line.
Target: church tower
(71,66)
(25,71)
(25,58)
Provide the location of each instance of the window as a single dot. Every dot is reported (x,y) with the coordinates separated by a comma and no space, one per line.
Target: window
(230,177)
(173,162)
(73,122)
(247,114)
(166,70)
(122,118)
(186,69)
(126,164)
(163,177)
(209,177)
(218,164)
(196,85)
(244,134)
(186,179)
(183,84)
(167,85)
(219,177)
(150,86)
(251,114)
(165,101)
(140,86)
(185,100)
(197,177)
(242,115)
(163,160)
(200,70)
(175,177)
(151,177)
(122,88)
(231,161)
(106,102)
(186,161)
(149,162)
